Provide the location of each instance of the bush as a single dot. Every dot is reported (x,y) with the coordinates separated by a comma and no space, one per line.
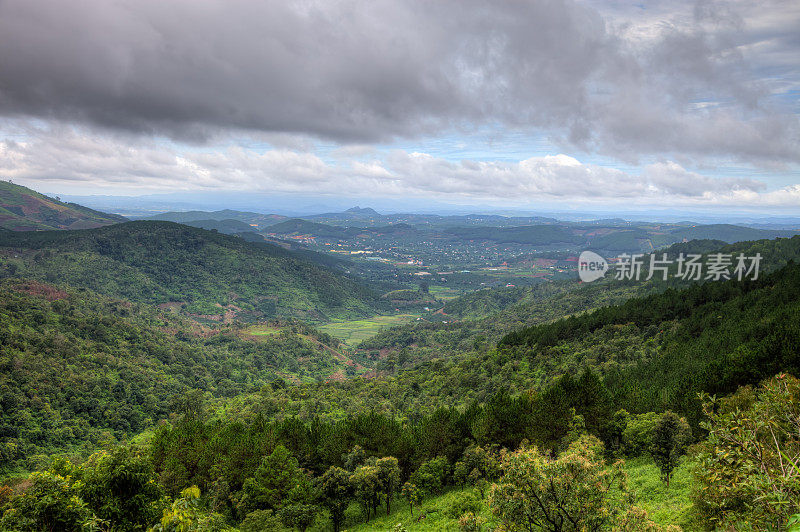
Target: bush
(749,469)
(637,438)
(463,503)
(469,522)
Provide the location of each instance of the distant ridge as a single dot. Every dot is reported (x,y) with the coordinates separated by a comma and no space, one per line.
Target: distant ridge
(254,219)
(23,209)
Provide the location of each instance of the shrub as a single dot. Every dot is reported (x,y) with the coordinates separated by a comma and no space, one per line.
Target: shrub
(749,468)
(469,522)
(463,503)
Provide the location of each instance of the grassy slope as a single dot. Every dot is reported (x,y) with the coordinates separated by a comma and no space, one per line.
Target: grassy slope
(23,209)
(664,505)
(160,262)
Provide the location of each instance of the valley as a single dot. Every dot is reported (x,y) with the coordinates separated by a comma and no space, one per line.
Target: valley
(223,362)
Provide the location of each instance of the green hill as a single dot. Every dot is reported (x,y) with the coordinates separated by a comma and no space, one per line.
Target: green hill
(209,273)
(228,226)
(186,217)
(296,226)
(74,364)
(23,209)
(730,233)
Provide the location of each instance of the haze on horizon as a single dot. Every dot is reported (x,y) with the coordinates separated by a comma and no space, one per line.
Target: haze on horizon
(592,105)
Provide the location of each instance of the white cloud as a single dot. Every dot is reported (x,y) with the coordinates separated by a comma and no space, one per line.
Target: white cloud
(66,156)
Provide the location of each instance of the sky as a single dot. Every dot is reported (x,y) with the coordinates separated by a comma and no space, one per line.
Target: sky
(600,104)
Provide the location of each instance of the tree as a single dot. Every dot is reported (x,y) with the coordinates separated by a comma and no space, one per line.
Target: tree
(637,436)
(366,483)
(50,503)
(336,492)
(575,491)
(460,473)
(120,487)
(275,477)
(354,458)
(614,432)
(301,507)
(389,476)
(478,466)
(412,494)
(670,436)
(431,476)
(186,515)
(577,429)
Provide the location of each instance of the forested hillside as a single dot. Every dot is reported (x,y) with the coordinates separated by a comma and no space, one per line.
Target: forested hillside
(623,381)
(483,317)
(76,367)
(203,272)
(260,452)
(23,209)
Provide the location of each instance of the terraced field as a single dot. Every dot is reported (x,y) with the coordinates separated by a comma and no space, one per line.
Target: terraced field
(352,332)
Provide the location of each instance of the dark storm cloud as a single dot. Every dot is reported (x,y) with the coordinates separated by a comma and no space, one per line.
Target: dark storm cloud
(373,70)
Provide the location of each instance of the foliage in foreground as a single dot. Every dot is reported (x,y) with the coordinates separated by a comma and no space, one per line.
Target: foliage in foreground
(748,471)
(572,492)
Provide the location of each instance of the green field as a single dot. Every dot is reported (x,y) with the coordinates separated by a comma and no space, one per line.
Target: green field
(262,330)
(354,331)
(433,508)
(444,293)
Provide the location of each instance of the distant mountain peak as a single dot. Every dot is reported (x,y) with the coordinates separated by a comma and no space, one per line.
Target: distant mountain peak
(365,210)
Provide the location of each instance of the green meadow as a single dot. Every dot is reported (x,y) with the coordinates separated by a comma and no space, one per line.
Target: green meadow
(262,330)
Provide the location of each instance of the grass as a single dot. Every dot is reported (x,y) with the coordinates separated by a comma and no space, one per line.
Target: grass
(444,293)
(665,505)
(434,509)
(353,332)
(262,330)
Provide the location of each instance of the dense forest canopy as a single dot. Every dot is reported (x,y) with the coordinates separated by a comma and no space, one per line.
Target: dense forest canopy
(164,262)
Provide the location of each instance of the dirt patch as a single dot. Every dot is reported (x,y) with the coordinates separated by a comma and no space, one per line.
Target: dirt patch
(46,291)
(337,376)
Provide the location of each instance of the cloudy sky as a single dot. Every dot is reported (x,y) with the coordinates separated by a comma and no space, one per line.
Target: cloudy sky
(546,102)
